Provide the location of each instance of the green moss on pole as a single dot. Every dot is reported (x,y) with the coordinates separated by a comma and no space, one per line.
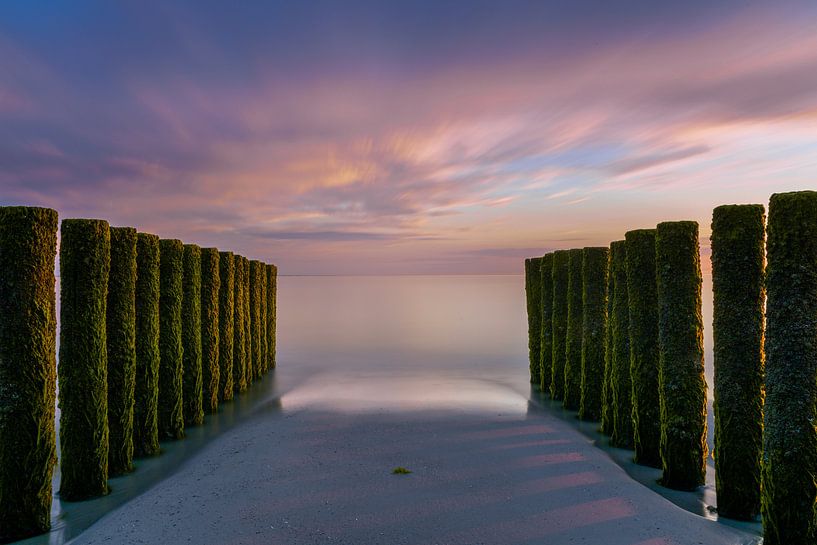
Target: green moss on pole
(210,286)
(192,406)
(255,318)
(738,270)
(573,343)
(248,366)
(272,311)
(643,313)
(262,272)
(171,370)
(594,323)
(121,340)
(533,295)
(790,438)
(529,312)
(606,388)
(619,384)
(225,324)
(85,253)
(546,329)
(682,386)
(561,274)
(28,336)
(146,391)
(239,344)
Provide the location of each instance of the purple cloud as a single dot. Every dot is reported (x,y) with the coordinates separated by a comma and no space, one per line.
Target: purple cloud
(405,132)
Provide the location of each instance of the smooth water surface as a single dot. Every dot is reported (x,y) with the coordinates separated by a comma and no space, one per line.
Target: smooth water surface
(412,342)
(405,342)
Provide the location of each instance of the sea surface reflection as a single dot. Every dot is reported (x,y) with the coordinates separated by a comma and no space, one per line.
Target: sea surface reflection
(405,342)
(412,342)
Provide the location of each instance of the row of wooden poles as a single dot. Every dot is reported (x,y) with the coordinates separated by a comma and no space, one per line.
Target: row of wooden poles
(617,334)
(154,333)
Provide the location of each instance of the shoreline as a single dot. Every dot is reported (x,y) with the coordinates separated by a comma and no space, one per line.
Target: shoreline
(701,502)
(71,519)
(478,476)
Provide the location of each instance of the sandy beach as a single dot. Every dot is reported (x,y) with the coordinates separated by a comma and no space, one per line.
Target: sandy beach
(320,477)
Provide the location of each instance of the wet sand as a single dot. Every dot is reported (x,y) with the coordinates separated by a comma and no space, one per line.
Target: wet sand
(304,476)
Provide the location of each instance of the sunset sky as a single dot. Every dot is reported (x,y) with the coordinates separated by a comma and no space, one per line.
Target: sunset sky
(404,137)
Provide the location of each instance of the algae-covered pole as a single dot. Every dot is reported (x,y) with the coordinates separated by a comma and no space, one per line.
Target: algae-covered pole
(790,438)
(619,385)
(272,311)
(533,293)
(191,336)
(594,323)
(171,415)
(573,343)
(210,286)
(682,386)
(546,306)
(121,337)
(561,270)
(85,252)
(262,273)
(146,391)
(226,293)
(28,336)
(248,367)
(606,426)
(255,318)
(643,314)
(738,269)
(531,313)
(239,346)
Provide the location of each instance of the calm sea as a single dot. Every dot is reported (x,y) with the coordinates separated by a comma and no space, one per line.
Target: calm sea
(411,341)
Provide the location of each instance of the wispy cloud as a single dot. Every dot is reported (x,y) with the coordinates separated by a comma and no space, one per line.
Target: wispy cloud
(405,133)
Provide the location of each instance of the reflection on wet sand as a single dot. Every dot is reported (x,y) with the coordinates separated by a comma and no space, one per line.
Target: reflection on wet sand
(340,391)
(307,476)
(702,502)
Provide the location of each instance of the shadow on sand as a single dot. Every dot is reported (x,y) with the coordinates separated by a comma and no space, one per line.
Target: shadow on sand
(702,501)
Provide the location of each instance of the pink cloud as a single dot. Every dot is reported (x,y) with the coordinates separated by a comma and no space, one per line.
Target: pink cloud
(529,150)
